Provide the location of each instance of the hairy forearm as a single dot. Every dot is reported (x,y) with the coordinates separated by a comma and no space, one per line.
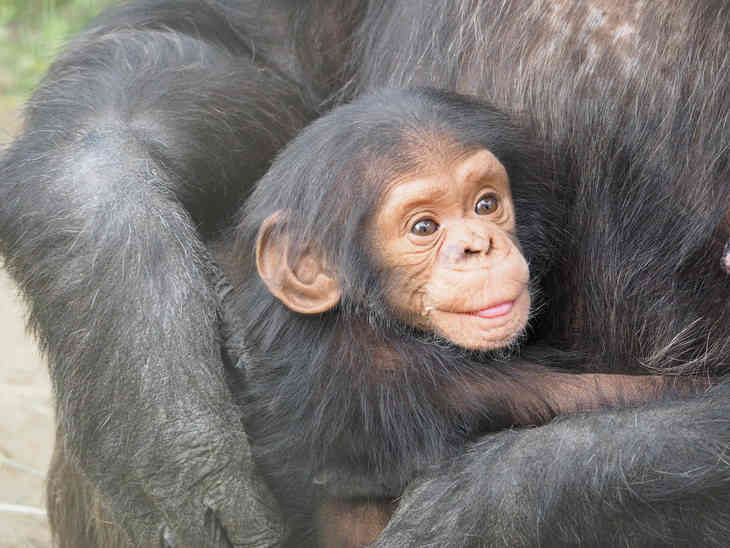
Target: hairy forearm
(525,393)
(569,393)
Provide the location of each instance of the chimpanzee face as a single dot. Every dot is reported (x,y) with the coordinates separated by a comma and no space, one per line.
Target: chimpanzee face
(447,240)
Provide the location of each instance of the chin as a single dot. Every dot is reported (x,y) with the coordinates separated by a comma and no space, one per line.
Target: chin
(504,339)
(501,347)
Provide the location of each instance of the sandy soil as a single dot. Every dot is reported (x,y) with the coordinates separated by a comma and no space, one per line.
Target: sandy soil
(26,414)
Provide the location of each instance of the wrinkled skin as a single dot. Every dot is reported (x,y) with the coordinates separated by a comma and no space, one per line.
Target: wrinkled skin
(431,237)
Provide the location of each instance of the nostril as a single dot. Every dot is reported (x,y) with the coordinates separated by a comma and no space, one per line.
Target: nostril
(484,248)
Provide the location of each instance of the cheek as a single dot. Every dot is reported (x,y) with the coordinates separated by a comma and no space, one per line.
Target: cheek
(407,283)
(407,295)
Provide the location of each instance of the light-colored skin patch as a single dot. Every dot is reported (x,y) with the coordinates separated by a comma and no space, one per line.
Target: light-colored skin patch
(726,258)
(600,43)
(467,280)
(352,524)
(606,23)
(596,27)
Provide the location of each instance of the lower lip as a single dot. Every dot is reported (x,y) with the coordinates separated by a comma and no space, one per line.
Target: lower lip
(495,311)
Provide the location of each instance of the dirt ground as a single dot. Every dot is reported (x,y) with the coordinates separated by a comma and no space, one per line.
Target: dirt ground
(26,413)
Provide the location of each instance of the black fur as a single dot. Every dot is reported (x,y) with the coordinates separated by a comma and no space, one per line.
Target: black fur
(143,139)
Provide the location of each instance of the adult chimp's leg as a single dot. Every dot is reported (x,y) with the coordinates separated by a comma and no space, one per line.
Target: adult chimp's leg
(654,476)
(145,131)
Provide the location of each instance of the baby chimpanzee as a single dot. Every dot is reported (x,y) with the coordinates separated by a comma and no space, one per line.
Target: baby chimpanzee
(385,270)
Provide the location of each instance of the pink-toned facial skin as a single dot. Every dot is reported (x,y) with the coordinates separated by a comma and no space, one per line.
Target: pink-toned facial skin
(447,236)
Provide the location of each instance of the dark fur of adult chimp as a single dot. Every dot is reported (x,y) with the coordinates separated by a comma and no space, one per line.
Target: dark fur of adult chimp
(146,134)
(382,280)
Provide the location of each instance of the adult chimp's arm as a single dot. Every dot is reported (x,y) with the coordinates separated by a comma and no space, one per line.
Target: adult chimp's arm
(146,130)
(650,476)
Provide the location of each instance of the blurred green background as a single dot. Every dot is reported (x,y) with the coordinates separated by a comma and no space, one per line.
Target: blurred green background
(31,34)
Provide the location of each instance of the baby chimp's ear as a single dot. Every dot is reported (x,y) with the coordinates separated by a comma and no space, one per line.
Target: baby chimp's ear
(306,287)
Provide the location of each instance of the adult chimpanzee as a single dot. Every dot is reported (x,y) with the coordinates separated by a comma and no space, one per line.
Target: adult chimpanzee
(147,133)
(381,280)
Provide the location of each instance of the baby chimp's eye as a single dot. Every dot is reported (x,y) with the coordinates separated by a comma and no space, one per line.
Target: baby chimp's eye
(425,227)
(489,203)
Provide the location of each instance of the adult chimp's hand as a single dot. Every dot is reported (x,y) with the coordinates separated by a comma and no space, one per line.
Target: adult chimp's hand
(197,480)
(209,495)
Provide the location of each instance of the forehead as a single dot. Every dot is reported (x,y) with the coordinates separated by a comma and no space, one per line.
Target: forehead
(475,167)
